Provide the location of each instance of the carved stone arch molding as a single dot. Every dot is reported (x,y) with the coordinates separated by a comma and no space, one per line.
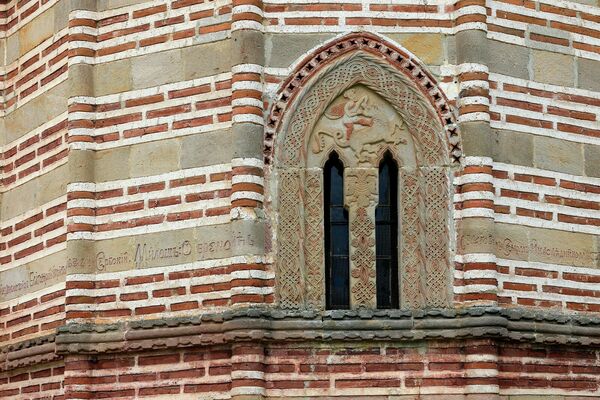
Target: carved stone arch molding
(359,96)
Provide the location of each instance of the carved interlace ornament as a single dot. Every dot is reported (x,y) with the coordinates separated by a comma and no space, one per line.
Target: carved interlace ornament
(361,194)
(361,106)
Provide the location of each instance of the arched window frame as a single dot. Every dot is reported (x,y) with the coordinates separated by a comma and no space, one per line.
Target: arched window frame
(424,190)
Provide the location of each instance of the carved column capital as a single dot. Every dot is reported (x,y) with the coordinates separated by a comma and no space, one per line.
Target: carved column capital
(360,197)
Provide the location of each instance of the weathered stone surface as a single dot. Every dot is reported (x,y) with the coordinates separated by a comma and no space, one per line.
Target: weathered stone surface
(558,155)
(12,48)
(206,59)
(220,143)
(544,245)
(283,49)
(472,47)
(508,59)
(553,68)
(113,77)
(112,164)
(165,248)
(34,193)
(475,235)
(35,32)
(81,166)
(247,47)
(157,69)
(587,74)
(592,160)
(429,47)
(478,139)
(36,112)
(153,158)
(33,276)
(513,147)
(81,80)
(248,140)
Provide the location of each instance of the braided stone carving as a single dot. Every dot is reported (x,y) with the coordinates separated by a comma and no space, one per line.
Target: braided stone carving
(313,245)
(361,195)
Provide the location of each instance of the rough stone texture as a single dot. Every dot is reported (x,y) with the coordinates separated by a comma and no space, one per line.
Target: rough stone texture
(508,59)
(219,141)
(514,147)
(112,164)
(295,46)
(37,112)
(104,77)
(556,69)
(35,32)
(428,47)
(197,64)
(587,74)
(558,155)
(34,193)
(592,160)
(154,158)
(157,69)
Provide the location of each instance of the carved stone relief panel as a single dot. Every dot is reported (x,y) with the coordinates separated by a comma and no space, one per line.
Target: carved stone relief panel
(290,263)
(360,125)
(361,195)
(314,241)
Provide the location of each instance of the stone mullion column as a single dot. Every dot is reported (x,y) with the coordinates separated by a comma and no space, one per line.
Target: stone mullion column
(361,197)
(247,183)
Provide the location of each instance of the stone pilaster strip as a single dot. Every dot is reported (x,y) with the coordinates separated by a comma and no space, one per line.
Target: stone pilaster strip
(361,196)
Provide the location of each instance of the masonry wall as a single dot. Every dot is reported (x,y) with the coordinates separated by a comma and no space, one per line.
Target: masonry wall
(133,157)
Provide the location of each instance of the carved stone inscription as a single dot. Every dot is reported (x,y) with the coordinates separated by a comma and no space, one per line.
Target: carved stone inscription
(361,195)
(33,276)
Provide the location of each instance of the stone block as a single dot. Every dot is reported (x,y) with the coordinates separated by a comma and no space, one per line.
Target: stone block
(471,47)
(156,157)
(34,193)
(513,148)
(428,47)
(476,235)
(157,69)
(81,166)
(248,47)
(508,59)
(112,164)
(12,48)
(562,247)
(81,80)
(206,149)
(477,139)
(37,111)
(588,73)
(558,155)
(282,50)
(591,154)
(553,68)
(248,140)
(206,59)
(36,31)
(112,77)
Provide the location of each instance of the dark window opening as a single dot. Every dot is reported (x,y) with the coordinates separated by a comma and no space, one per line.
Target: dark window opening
(337,246)
(386,234)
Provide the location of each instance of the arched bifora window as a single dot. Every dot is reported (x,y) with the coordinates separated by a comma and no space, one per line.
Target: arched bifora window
(361,181)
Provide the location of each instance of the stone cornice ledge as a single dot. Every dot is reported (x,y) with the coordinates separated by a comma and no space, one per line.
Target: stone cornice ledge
(267,324)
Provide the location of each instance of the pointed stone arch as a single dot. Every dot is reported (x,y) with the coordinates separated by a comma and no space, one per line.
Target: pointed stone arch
(352,59)
(296,186)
